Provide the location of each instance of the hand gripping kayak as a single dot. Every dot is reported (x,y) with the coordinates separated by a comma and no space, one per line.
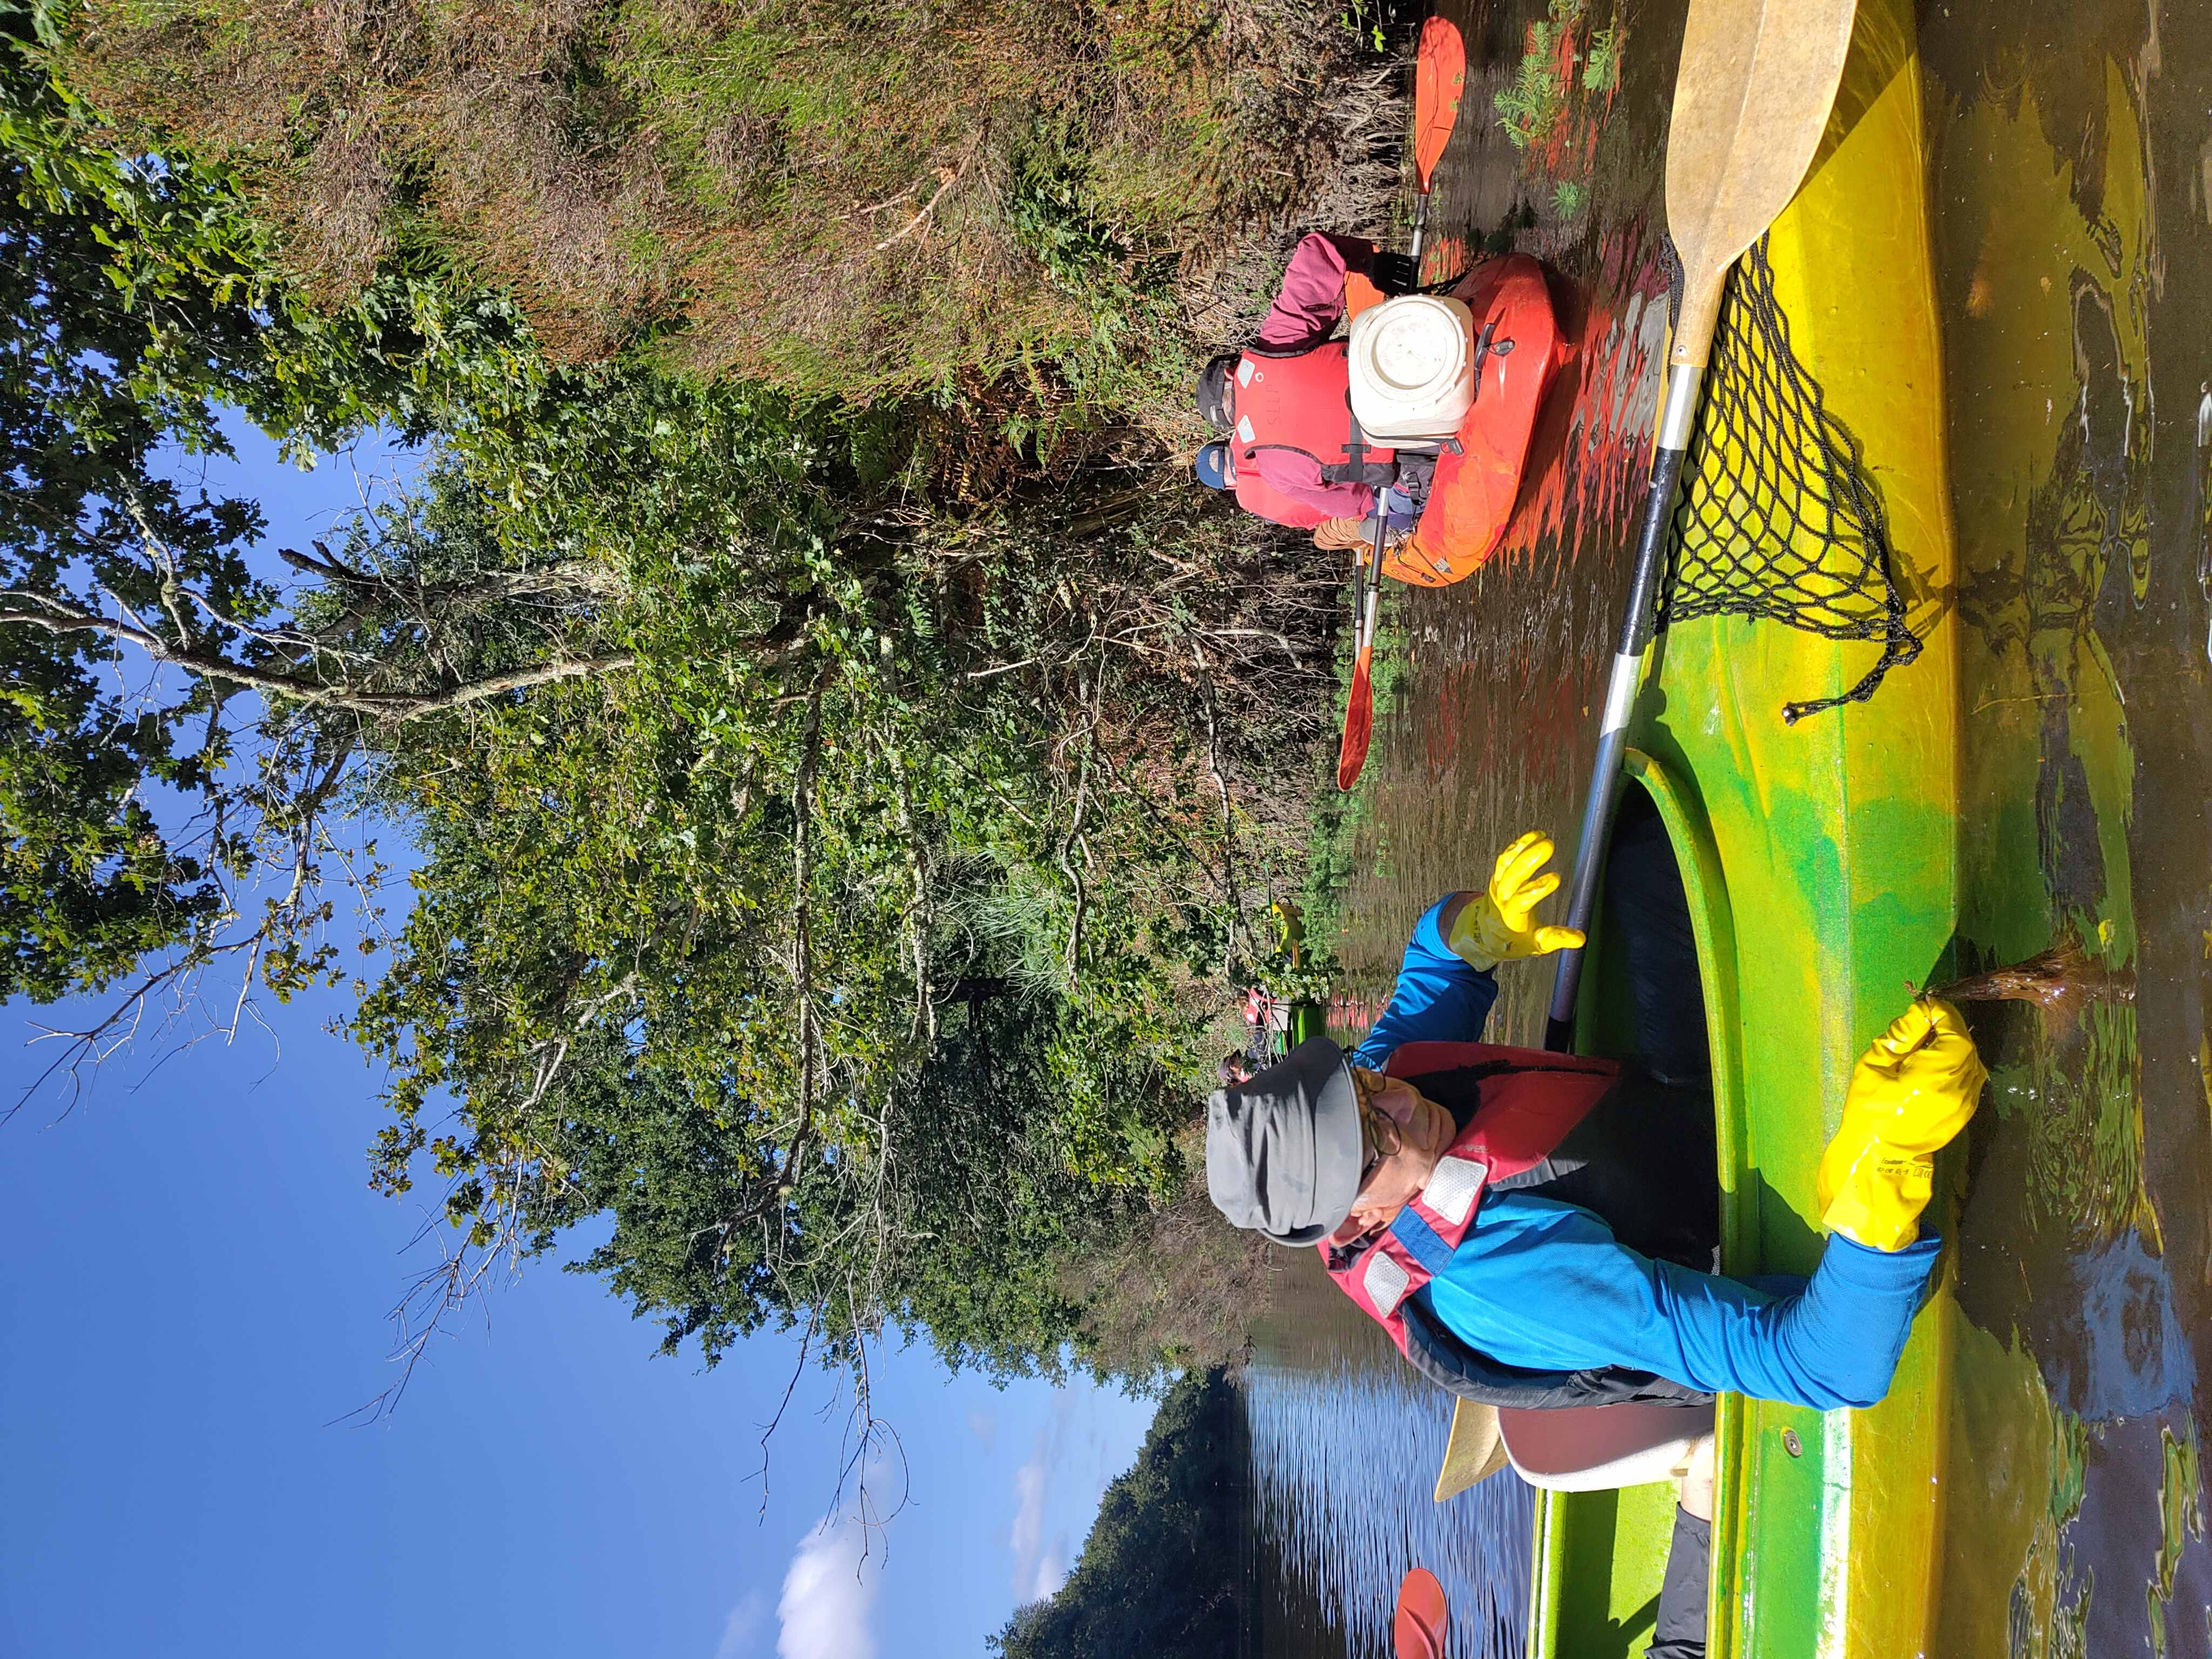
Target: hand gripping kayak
(1911,1095)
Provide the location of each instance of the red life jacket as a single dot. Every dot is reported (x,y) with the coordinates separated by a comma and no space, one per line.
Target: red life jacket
(1303,403)
(1530,1101)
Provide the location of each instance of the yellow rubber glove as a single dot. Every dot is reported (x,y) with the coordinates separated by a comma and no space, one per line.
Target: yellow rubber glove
(1493,927)
(1912,1092)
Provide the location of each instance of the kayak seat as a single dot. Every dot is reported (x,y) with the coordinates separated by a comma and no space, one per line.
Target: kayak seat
(1600,1448)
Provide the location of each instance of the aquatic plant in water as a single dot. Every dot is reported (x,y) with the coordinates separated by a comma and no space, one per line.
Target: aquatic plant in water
(1602,65)
(1531,107)
(1528,109)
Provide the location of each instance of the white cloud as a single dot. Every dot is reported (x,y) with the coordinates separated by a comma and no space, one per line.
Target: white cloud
(1040,1568)
(1051,1569)
(984,1425)
(828,1594)
(1026,1537)
(737,1630)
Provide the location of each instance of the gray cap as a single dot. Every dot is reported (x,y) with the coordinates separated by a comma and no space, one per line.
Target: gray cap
(1283,1151)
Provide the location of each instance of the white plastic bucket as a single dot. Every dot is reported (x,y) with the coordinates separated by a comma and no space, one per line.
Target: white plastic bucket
(1413,367)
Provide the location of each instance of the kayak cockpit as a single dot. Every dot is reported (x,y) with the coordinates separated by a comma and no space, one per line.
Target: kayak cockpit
(1606,1474)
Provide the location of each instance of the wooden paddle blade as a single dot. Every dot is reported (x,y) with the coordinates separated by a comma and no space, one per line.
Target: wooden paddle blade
(1439,78)
(1476,1451)
(1751,101)
(1358,721)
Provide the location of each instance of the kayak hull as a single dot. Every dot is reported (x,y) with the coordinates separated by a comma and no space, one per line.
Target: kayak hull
(1478,482)
(1834,842)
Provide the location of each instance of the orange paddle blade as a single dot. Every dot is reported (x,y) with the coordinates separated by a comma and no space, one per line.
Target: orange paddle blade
(1418,1631)
(1358,721)
(1439,78)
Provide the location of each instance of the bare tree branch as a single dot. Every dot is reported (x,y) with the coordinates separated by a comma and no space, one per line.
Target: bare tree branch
(66,617)
(777,1184)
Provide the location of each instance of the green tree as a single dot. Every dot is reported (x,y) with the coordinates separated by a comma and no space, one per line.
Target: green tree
(692,943)
(827,878)
(97,337)
(1159,1574)
(146,660)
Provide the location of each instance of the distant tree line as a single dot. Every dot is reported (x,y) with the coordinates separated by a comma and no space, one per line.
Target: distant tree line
(1161,1575)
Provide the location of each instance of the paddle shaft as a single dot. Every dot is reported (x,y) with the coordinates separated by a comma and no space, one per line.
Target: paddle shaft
(1366,639)
(1366,571)
(1638,622)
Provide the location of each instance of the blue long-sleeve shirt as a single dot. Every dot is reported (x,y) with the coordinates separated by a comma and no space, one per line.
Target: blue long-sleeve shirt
(1543,1284)
(1439,998)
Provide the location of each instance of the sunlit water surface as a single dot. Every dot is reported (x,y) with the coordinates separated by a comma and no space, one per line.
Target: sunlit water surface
(1346,1442)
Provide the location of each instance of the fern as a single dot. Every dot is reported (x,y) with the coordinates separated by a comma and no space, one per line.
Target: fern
(1601,68)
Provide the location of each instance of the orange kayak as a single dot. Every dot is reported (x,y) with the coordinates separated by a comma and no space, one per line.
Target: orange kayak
(1472,500)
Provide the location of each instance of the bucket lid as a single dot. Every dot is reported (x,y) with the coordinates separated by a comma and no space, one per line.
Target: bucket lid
(1413,347)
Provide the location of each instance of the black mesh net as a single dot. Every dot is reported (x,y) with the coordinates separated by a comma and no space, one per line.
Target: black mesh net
(1777,518)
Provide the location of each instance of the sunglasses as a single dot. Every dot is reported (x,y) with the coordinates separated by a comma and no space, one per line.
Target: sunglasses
(1384,1132)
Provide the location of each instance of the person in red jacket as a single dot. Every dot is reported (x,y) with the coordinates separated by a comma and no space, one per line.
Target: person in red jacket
(1294,454)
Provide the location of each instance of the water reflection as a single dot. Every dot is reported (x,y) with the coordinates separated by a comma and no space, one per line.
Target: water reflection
(1346,1442)
(2071,217)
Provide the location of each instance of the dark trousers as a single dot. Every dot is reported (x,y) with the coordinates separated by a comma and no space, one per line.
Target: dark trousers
(1645,1158)
(1681,1630)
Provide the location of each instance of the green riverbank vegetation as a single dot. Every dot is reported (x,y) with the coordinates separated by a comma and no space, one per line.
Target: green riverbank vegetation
(842,767)
(1162,1571)
(830,199)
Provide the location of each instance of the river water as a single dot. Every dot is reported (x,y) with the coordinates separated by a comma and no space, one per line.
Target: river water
(2070,180)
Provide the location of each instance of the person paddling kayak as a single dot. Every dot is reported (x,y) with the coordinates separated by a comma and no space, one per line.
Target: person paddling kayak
(1532,1228)
(1537,1228)
(1294,454)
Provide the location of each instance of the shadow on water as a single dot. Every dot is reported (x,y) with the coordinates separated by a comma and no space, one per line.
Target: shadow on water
(2070,174)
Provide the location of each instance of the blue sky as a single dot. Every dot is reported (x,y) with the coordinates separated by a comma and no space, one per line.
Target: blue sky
(196,1288)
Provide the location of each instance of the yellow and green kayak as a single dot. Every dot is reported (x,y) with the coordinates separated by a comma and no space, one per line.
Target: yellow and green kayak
(1820,859)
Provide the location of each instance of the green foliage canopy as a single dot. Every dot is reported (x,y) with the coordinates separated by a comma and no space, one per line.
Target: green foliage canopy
(829,880)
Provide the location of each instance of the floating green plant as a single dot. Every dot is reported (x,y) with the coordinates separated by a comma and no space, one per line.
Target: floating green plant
(1602,64)
(1532,105)
(1528,108)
